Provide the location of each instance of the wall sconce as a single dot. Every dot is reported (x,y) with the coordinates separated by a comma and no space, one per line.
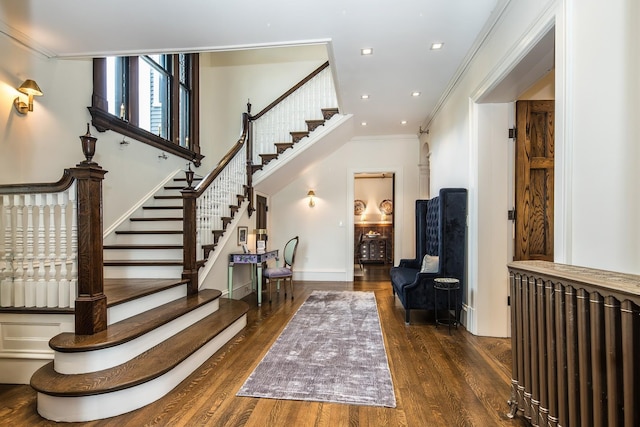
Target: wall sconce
(31,89)
(311,195)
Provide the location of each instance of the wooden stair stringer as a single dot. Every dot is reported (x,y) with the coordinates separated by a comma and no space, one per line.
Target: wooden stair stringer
(320,143)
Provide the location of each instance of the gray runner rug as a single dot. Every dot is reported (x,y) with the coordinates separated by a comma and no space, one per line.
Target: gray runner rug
(330,351)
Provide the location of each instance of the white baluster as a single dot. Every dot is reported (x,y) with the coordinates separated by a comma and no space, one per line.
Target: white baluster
(30,286)
(52,284)
(63,293)
(18,273)
(73,286)
(41,287)
(6,287)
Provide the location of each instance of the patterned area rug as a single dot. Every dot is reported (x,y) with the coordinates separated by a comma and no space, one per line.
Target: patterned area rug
(331,351)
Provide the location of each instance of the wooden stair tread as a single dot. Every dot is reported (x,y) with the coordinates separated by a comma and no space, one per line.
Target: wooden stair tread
(145,367)
(123,290)
(176,218)
(143,262)
(161,207)
(133,246)
(149,232)
(132,327)
(167,197)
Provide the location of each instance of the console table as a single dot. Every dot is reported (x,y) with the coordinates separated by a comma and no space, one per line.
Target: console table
(255,260)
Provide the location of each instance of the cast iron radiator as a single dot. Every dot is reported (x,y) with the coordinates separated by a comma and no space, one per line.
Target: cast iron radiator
(575,341)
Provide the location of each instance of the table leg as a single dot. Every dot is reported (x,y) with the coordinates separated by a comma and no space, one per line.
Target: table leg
(259,267)
(230,281)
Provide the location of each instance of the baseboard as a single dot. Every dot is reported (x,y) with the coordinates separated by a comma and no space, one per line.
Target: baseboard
(320,275)
(468,319)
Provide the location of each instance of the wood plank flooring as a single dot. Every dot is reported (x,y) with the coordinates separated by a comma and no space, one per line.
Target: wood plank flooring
(439,379)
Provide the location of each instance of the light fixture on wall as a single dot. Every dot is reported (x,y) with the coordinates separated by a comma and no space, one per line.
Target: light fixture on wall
(31,89)
(311,194)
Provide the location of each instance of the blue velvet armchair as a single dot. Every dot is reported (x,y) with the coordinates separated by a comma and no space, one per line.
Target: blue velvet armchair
(441,230)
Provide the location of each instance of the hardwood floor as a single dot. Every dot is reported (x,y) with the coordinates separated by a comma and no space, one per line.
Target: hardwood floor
(439,379)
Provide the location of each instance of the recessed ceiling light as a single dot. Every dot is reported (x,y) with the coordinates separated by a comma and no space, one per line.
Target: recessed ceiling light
(364,96)
(437,46)
(363,123)
(366,51)
(404,122)
(415,93)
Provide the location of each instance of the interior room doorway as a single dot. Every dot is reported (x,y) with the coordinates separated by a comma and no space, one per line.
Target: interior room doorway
(373,232)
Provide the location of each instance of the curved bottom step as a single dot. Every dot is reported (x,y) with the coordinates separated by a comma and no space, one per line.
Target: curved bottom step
(140,381)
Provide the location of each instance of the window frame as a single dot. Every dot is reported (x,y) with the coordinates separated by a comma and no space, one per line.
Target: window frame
(103,120)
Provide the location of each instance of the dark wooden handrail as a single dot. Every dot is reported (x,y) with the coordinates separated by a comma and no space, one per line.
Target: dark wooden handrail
(290,91)
(226,159)
(45,187)
(190,196)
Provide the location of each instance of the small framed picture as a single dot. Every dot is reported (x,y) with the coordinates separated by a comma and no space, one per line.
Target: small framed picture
(245,249)
(242,235)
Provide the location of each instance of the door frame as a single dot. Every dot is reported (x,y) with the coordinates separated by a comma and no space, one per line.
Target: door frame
(398,212)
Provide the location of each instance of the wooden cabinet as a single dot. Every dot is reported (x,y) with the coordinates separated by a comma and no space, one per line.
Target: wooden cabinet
(373,243)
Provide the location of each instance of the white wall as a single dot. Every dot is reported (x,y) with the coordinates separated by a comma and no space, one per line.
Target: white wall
(325,251)
(229,79)
(372,191)
(597,202)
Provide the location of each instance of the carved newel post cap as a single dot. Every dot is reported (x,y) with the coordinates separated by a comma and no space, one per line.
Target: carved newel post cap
(189,176)
(88,147)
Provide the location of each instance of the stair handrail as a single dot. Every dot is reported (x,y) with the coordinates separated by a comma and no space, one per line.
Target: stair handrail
(290,91)
(201,210)
(53,214)
(303,101)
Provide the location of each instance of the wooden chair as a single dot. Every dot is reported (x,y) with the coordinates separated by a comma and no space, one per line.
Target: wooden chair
(286,271)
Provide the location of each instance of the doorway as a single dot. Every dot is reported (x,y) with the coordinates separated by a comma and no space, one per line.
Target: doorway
(373,231)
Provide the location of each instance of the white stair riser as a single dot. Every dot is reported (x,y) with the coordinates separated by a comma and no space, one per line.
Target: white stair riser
(164,202)
(97,360)
(140,254)
(148,239)
(119,312)
(160,213)
(87,408)
(154,225)
(142,272)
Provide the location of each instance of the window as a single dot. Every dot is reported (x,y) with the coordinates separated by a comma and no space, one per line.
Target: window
(151,98)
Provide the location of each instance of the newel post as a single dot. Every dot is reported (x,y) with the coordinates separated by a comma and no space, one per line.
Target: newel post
(190,264)
(248,125)
(91,303)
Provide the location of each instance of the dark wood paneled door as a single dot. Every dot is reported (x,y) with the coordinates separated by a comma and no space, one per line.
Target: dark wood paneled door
(534,180)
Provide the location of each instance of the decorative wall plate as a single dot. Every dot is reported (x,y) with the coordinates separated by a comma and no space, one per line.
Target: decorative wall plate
(359,207)
(386,207)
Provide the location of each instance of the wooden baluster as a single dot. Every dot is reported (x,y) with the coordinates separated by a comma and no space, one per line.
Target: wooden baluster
(52,284)
(63,292)
(18,272)
(597,360)
(41,286)
(549,382)
(73,256)
(30,286)
(6,286)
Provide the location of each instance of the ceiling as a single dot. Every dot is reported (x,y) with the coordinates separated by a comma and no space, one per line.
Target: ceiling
(400,34)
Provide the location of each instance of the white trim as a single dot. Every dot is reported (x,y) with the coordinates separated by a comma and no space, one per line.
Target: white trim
(128,309)
(125,216)
(398,205)
(472,218)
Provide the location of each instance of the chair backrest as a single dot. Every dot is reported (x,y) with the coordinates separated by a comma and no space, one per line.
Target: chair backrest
(290,252)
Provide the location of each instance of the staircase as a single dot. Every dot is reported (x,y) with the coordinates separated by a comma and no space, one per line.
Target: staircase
(157,333)
(160,325)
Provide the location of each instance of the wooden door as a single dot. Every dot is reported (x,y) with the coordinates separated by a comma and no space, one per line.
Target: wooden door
(534,180)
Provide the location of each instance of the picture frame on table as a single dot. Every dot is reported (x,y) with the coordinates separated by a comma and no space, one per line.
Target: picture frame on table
(243,233)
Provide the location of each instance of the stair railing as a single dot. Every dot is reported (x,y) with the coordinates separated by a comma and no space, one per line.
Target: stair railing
(302,102)
(51,253)
(207,207)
